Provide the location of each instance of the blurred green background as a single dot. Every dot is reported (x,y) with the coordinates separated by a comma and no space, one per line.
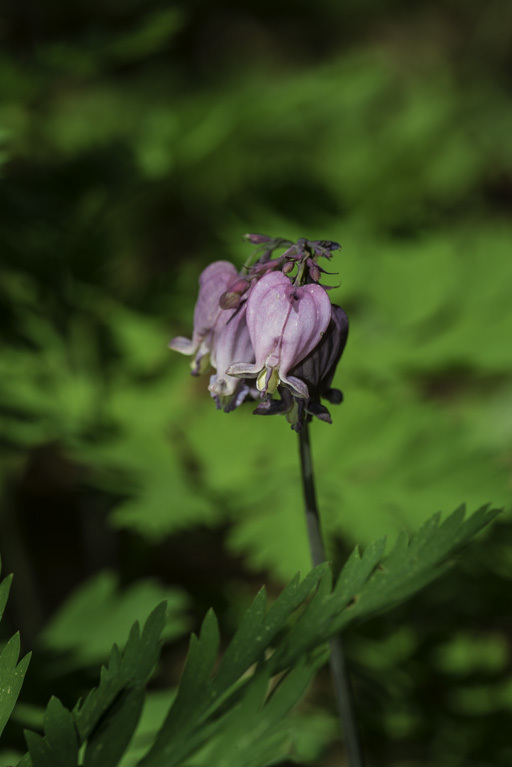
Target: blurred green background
(138,142)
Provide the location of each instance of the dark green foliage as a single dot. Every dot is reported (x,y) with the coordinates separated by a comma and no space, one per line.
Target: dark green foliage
(108,742)
(231,714)
(107,718)
(125,672)
(60,744)
(12,671)
(369,583)
(200,694)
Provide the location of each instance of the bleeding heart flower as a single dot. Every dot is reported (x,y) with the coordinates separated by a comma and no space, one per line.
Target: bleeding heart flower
(209,318)
(318,368)
(232,343)
(285,324)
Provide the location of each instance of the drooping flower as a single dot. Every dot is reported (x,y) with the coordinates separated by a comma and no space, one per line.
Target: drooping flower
(285,323)
(232,343)
(209,318)
(266,332)
(318,368)
(317,371)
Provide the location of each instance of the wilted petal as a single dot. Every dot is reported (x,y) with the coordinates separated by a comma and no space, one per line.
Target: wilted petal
(285,324)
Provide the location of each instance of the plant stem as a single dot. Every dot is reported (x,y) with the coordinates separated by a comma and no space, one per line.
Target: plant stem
(339,674)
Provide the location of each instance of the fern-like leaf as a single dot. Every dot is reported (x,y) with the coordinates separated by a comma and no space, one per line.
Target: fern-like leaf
(191,719)
(373,582)
(203,718)
(106,720)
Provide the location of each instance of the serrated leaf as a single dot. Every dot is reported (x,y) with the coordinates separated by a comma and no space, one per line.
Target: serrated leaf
(374,583)
(108,742)
(174,739)
(255,732)
(60,742)
(39,754)
(128,670)
(257,631)
(150,643)
(12,675)
(61,734)
(109,714)
(414,563)
(199,695)
(5,587)
(357,570)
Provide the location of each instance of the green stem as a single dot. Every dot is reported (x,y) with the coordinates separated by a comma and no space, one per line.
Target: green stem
(339,673)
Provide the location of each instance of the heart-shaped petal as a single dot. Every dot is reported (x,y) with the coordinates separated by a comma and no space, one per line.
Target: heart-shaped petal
(285,324)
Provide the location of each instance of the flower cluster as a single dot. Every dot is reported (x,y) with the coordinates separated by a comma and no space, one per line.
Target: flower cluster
(269,329)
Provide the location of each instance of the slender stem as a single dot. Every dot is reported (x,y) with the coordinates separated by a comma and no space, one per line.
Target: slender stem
(339,673)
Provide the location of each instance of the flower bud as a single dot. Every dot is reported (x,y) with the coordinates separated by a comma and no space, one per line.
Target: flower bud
(314,271)
(257,239)
(230,300)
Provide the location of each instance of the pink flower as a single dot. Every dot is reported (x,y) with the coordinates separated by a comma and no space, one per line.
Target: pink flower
(209,318)
(232,343)
(285,324)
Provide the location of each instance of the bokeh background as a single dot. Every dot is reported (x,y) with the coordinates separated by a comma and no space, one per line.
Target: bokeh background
(138,142)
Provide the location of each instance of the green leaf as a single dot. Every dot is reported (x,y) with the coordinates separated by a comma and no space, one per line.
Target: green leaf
(413,564)
(5,587)
(12,675)
(123,672)
(256,630)
(374,582)
(156,706)
(108,716)
(108,742)
(200,694)
(60,742)
(174,739)
(370,583)
(256,731)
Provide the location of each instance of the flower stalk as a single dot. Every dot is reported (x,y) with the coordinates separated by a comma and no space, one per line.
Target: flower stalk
(339,674)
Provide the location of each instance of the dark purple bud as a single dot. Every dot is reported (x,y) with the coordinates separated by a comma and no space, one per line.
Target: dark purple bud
(257,239)
(232,297)
(314,271)
(323,247)
(291,252)
(327,245)
(240,285)
(262,267)
(318,368)
(288,267)
(229,300)
(317,371)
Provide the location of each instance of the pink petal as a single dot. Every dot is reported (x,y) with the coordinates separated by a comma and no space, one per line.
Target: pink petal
(285,324)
